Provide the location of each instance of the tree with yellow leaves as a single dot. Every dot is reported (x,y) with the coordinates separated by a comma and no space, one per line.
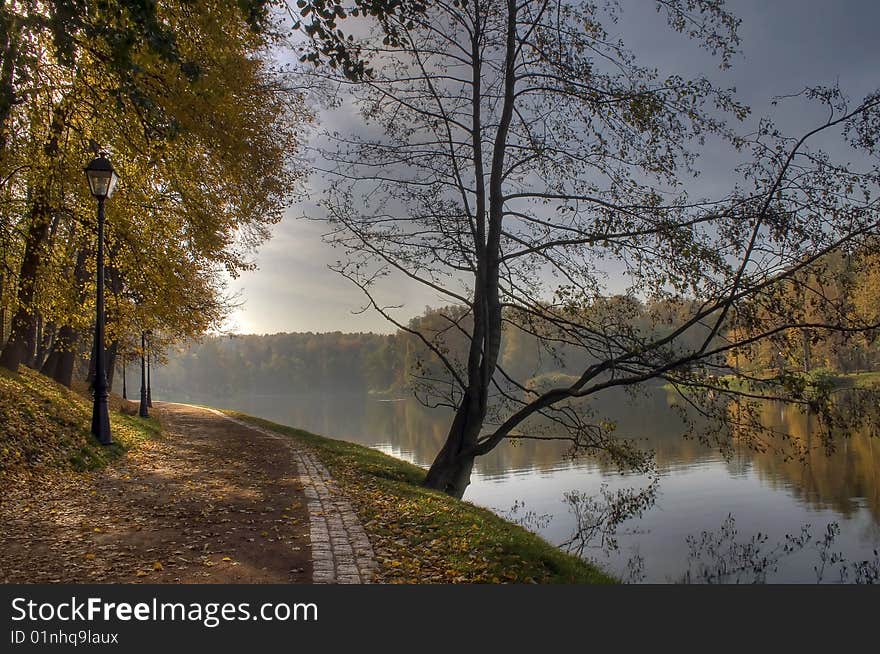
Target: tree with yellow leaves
(203,140)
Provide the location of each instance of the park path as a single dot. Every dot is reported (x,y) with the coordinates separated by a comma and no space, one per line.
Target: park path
(213,501)
(340,548)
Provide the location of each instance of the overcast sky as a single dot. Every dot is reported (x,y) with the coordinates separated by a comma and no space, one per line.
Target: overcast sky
(786,44)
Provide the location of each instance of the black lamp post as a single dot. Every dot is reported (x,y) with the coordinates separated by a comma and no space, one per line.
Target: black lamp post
(149,358)
(102,182)
(142,409)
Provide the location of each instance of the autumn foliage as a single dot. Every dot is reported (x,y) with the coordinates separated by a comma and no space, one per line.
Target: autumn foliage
(204,143)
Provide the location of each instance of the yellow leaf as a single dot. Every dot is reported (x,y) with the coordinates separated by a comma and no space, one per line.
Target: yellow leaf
(227,558)
(90,556)
(157,566)
(141,573)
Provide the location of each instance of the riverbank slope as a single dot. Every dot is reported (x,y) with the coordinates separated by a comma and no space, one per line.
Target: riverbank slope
(79,512)
(44,429)
(423,536)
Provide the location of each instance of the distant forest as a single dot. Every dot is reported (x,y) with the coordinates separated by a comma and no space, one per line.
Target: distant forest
(281,363)
(397,363)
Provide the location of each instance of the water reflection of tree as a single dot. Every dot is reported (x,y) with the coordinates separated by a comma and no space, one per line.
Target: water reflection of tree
(838,479)
(823,480)
(650,421)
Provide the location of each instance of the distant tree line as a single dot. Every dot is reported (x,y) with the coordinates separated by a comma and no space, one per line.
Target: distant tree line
(281,364)
(843,284)
(399,363)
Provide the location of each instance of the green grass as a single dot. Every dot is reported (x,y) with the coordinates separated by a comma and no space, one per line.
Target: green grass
(420,536)
(45,427)
(423,536)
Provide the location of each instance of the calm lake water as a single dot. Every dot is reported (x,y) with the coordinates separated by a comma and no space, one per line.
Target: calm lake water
(698,488)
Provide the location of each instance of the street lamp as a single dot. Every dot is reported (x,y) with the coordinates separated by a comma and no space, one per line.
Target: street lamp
(149,352)
(102,182)
(124,389)
(142,408)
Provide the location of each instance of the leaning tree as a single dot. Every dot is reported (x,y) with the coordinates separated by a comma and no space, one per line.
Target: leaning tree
(515,156)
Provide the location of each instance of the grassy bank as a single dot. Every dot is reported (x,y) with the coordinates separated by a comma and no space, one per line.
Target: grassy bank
(423,536)
(44,427)
(420,536)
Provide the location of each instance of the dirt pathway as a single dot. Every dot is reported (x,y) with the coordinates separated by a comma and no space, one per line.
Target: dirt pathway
(214,501)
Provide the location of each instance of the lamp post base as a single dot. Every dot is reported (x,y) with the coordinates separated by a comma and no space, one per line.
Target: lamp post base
(101,421)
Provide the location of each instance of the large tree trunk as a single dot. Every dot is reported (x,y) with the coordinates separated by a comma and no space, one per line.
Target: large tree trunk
(67,358)
(111,363)
(46,335)
(451,470)
(90,375)
(9,40)
(21,346)
(50,364)
(61,361)
(451,476)
(2,310)
(114,286)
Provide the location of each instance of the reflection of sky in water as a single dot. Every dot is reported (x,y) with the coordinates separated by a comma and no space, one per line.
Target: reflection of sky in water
(691,499)
(698,488)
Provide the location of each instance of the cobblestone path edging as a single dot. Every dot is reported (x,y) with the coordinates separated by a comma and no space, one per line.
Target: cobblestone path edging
(341,550)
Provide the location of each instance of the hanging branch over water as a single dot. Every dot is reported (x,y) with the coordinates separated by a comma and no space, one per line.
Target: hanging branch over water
(515,153)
